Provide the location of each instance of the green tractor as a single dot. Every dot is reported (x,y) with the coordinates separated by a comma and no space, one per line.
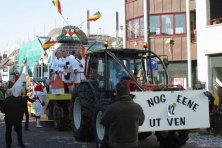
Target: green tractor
(148,75)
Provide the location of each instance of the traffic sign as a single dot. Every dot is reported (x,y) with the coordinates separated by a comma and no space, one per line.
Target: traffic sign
(154,64)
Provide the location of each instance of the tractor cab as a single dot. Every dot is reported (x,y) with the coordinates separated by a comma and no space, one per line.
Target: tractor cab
(143,68)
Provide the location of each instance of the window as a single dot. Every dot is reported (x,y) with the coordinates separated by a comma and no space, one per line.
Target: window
(180,23)
(154,25)
(215,11)
(130,29)
(167,24)
(142,26)
(97,70)
(160,24)
(135,28)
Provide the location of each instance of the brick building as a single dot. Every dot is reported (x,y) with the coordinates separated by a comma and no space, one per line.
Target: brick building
(167,22)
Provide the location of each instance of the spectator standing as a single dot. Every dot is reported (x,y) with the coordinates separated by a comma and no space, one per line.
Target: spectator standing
(122,118)
(25,100)
(218,108)
(13,109)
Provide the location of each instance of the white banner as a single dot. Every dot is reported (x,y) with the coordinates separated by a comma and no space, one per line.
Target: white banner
(167,110)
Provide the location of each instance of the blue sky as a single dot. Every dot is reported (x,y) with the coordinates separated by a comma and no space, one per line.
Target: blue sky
(22,20)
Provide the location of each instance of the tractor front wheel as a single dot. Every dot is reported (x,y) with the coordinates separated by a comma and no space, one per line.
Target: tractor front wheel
(172,139)
(82,113)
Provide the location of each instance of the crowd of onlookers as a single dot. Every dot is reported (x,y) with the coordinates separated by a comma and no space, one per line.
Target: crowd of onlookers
(215,108)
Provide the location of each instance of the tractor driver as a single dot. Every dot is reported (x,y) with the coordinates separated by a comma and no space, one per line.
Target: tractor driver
(117,73)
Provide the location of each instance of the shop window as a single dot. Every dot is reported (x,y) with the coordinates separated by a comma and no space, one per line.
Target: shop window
(167,24)
(154,25)
(215,11)
(180,24)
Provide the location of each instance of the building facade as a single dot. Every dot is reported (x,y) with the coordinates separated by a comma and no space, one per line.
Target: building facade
(167,22)
(209,47)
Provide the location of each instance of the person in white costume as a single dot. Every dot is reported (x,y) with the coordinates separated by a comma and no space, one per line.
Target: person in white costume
(19,84)
(55,63)
(38,96)
(75,65)
(65,69)
(79,75)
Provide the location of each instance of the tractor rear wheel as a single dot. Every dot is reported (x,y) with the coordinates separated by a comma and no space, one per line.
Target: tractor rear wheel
(172,139)
(82,110)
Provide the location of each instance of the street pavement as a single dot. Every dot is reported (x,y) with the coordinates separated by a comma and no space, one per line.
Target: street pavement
(48,137)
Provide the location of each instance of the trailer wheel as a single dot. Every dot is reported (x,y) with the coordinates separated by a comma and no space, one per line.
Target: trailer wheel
(82,112)
(172,139)
(59,120)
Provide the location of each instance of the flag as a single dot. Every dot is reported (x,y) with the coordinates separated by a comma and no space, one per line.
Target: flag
(46,42)
(95,16)
(57,5)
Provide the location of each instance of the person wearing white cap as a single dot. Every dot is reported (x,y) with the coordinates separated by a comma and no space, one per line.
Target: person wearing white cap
(38,96)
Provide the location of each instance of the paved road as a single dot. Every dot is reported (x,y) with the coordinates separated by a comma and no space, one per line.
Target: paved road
(48,137)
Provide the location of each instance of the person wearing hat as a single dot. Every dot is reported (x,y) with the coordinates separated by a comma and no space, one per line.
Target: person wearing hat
(122,114)
(38,103)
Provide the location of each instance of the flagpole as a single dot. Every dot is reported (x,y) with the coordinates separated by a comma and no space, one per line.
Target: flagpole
(82,23)
(188,45)
(64,19)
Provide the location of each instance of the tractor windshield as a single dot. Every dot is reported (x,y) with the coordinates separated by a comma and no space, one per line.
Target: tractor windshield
(117,72)
(143,67)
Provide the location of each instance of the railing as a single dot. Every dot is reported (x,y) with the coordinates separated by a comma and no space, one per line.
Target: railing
(41,71)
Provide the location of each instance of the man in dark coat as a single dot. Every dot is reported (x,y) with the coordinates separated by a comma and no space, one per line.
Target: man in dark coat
(25,100)
(13,109)
(122,118)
